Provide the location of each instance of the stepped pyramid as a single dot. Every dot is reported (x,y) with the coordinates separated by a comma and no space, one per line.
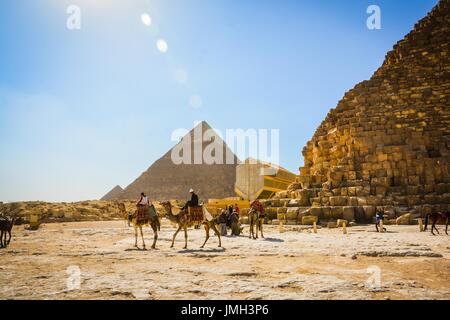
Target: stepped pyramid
(115,193)
(387,142)
(166,180)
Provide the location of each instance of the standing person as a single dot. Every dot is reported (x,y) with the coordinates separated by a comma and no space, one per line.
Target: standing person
(236,209)
(378,218)
(223,223)
(230,209)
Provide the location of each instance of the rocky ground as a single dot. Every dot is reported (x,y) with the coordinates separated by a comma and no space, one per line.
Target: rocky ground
(295,264)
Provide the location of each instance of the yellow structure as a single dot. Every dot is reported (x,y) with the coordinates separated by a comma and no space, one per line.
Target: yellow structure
(215,205)
(261,180)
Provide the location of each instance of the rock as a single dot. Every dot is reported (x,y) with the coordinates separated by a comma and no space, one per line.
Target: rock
(309,220)
(349,213)
(331,225)
(404,219)
(341,222)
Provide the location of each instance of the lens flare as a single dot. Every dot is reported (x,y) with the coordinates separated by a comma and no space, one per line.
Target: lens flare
(195,101)
(146,19)
(162,46)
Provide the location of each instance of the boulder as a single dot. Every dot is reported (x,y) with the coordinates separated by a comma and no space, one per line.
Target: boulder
(404,219)
(349,213)
(309,220)
(340,222)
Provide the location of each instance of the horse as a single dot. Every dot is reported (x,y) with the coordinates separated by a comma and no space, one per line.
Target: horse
(192,216)
(444,214)
(6,226)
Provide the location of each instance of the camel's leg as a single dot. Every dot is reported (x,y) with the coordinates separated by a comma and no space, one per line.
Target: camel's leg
(185,237)
(217,233)
(434,226)
(155,235)
(446,226)
(251,228)
(142,236)
(174,236)
(207,235)
(9,239)
(135,236)
(261,226)
(257,226)
(1,239)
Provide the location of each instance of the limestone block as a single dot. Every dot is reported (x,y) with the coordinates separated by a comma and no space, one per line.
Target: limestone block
(404,219)
(348,213)
(309,220)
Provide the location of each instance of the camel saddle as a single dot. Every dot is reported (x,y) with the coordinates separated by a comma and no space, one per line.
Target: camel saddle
(195,213)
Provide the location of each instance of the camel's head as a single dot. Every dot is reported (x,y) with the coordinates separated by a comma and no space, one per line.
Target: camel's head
(166,205)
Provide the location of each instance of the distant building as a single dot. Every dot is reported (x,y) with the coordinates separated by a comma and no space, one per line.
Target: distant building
(261,180)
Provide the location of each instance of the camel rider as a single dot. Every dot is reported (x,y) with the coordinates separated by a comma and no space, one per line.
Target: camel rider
(142,206)
(193,202)
(143,200)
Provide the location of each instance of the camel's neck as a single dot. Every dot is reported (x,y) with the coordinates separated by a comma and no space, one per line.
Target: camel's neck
(170,215)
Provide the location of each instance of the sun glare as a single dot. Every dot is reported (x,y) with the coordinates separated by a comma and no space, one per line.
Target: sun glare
(162,46)
(146,19)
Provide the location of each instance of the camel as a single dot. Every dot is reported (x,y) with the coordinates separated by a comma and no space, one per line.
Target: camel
(185,219)
(255,220)
(151,220)
(6,226)
(445,215)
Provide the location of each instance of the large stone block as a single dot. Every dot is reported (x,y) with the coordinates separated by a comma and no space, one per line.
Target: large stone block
(348,213)
(309,220)
(337,212)
(338,201)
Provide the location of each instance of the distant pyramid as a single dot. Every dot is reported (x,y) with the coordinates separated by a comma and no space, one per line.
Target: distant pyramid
(115,193)
(166,180)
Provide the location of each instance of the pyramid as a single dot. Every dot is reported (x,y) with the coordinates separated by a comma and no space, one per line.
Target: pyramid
(165,180)
(387,143)
(115,193)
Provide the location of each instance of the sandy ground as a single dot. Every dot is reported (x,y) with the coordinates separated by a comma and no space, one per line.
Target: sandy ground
(296,264)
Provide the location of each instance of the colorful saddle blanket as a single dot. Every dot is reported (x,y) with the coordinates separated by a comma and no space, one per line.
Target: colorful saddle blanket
(195,213)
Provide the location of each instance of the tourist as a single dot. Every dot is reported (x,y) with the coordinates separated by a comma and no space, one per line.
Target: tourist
(236,209)
(142,206)
(223,223)
(379,216)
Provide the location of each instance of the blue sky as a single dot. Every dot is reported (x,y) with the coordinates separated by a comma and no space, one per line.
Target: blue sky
(84,110)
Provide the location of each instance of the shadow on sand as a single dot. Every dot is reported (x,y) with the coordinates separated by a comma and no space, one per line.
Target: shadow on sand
(212,250)
(273,240)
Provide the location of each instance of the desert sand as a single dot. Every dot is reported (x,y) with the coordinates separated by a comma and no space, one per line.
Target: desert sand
(295,264)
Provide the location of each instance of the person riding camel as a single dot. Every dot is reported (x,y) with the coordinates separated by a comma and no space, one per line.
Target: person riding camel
(142,206)
(193,202)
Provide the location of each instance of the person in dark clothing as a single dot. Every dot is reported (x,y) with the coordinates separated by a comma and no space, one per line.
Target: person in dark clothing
(230,209)
(379,216)
(193,202)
